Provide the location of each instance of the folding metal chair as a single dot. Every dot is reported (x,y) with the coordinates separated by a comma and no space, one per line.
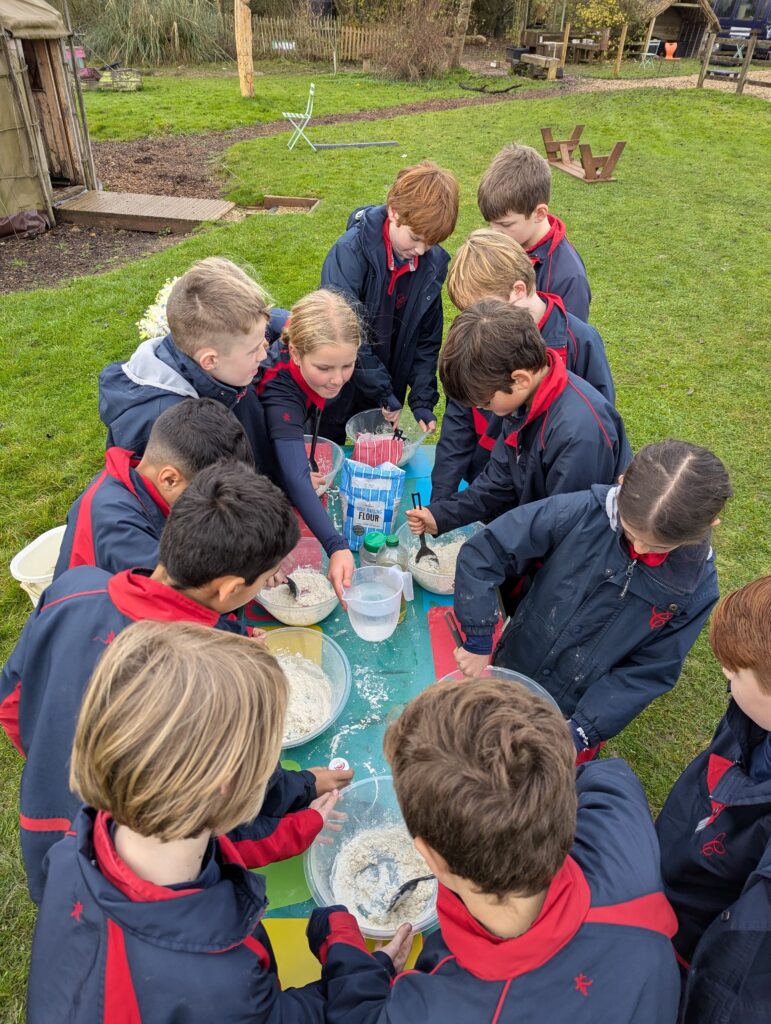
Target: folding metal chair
(646,59)
(300,121)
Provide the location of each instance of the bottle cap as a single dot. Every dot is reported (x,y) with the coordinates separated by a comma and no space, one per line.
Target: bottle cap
(392,541)
(374,541)
(338,764)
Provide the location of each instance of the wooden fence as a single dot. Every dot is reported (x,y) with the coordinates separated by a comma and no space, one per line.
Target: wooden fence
(318,40)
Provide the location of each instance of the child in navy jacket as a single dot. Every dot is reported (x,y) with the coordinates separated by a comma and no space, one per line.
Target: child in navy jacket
(513,198)
(492,265)
(627,582)
(390,264)
(218,318)
(224,539)
(305,370)
(550,904)
(559,434)
(149,912)
(116,522)
(715,831)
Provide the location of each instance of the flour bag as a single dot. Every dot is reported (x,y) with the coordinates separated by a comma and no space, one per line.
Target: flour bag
(369,496)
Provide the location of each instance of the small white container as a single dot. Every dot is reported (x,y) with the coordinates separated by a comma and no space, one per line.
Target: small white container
(34,565)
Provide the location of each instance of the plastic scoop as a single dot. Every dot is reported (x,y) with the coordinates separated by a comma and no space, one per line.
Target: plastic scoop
(406,889)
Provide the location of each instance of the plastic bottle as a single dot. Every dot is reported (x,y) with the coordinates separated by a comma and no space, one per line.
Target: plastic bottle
(370,549)
(393,552)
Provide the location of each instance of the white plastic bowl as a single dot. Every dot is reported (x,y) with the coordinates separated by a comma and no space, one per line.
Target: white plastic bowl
(329,459)
(373,422)
(33,567)
(368,804)
(316,647)
(505,675)
(425,572)
(307,555)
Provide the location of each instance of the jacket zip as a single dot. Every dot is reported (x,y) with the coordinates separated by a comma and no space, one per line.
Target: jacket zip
(629,574)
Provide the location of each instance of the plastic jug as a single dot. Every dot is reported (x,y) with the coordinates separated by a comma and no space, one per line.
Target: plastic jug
(374,600)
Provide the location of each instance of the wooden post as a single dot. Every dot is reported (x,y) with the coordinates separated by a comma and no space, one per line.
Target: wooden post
(243,24)
(565,41)
(707,57)
(620,53)
(648,35)
(746,64)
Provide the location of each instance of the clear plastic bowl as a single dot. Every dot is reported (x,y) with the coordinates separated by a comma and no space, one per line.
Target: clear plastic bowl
(329,458)
(505,675)
(373,422)
(309,555)
(370,803)
(426,572)
(315,646)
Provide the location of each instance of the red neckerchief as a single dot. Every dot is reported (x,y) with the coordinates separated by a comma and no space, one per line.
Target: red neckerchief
(554,235)
(296,374)
(493,959)
(119,874)
(396,272)
(551,387)
(652,558)
(139,597)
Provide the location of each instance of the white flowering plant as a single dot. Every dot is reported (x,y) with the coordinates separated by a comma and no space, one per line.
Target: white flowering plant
(154,323)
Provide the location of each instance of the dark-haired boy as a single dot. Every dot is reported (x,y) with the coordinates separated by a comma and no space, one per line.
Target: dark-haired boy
(513,197)
(550,907)
(715,831)
(225,537)
(219,328)
(559,434)
(116,522)
(390,265)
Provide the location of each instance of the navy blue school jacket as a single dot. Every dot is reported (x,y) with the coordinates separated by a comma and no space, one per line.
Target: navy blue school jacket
(132,395)
(603,633)
(599,950)
(116,522)
(112,947)
(468,435)
(291,408)
(43,681)
(569,439)
(560,270)
(356,265)
(715,836)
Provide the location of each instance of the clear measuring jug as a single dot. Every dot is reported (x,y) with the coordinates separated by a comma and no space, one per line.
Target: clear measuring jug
(374,600)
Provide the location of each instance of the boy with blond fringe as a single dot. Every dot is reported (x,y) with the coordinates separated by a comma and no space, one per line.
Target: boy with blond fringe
(550,902)
(513,198)
(218,318)
(389,262)
(149,911)
(715,826)
(492,265)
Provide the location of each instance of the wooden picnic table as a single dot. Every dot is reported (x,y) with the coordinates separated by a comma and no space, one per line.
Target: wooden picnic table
(582,52)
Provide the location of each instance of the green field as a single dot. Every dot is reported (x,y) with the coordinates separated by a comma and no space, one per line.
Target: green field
(677,253)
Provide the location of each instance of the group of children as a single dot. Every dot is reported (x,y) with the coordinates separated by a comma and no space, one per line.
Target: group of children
(135,688)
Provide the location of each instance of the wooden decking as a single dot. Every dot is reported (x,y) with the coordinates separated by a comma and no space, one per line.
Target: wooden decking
(135,211)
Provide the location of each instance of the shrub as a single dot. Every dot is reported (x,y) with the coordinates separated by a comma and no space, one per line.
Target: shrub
(417,30)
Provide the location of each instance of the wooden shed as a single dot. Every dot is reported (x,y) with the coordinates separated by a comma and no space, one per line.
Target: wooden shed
(45,152)
(683,23)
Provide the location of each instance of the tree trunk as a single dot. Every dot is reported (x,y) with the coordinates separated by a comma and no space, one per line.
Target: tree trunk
(461,27)
(243,24)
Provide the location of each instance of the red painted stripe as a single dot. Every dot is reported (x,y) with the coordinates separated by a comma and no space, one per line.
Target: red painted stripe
(342,928)
(292,836)
(44,824)
(69,597)
(651,912)
(120,999)
(9,717)
(259,950)
(594,413)
(501,1001)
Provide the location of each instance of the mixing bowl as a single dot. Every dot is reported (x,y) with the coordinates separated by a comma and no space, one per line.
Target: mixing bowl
(505,675)
(307,555)
(329,458)
(426,572)
(373,422)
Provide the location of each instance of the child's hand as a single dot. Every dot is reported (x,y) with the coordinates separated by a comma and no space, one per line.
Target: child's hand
(258,635)
(398,949)
(275,580)
(325,806)
(328,780)
(392,416)
(471,665)
(427,427)
(421,521)
(317,480)
(340,574)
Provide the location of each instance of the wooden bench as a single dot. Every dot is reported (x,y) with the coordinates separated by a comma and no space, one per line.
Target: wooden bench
(537,60)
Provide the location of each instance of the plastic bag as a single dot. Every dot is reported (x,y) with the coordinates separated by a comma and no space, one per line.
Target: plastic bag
(369,496)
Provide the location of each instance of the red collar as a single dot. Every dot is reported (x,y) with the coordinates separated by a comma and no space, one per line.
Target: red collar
(296,374)
(486,956)
(550,388)
(119,874)
(408,267)
(651,559)
(555,235)
(552,302)
(119,462)
(138,597)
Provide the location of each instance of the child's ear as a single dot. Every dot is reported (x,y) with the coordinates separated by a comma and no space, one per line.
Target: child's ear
(393,215)
(171,481)
(621,480)
(715,522)
(228,587)
(206,358)
(518,292)
(293,354)
(436,862)
(521,378)
(540,212)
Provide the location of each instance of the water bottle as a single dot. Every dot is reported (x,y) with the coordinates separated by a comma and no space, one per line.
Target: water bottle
(373,542)
(393,552)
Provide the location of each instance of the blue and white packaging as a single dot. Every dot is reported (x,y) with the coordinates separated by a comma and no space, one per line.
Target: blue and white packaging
(370,497)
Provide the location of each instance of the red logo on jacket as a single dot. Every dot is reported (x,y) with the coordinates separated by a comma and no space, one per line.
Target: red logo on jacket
(658,618)
(582,984)
(714,846)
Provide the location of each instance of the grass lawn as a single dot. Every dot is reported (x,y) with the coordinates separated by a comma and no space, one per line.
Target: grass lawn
(674,254)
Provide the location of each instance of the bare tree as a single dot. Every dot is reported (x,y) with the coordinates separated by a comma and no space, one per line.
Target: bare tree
(459,36)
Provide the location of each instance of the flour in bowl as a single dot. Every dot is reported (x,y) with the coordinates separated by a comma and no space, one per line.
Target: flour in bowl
(439,579)
(310,696)
(368,870)
(312,586)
